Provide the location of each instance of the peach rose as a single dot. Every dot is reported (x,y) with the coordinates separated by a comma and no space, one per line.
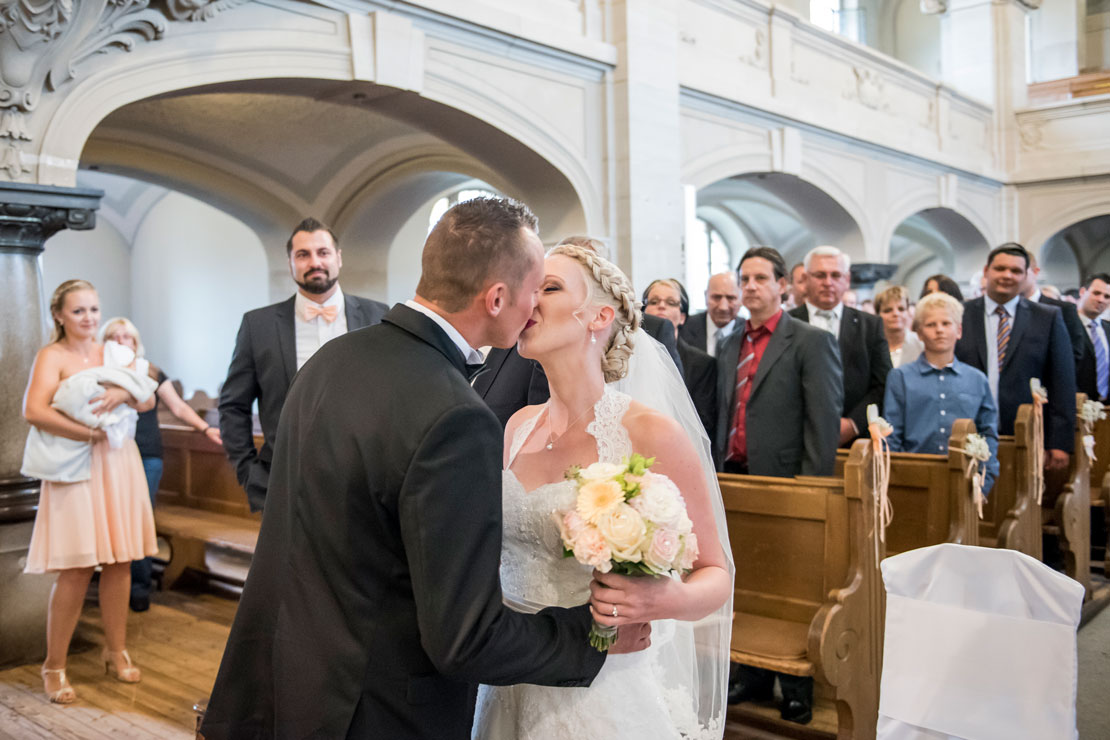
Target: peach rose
(570,525)
(624,529)
(597,498)
(591,549)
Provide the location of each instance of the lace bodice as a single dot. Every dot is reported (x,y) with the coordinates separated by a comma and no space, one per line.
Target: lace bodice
(533,569)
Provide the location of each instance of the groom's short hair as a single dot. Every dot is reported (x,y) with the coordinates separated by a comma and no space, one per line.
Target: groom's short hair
(475,243)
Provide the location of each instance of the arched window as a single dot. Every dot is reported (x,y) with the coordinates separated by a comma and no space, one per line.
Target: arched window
(442,205)
(706,254)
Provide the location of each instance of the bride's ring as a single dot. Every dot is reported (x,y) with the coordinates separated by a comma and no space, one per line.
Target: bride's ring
(614,611)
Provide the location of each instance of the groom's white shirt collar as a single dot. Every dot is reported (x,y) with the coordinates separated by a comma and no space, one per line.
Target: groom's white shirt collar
(473,356)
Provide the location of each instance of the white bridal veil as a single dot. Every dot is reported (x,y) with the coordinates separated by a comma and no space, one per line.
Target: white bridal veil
(695,662)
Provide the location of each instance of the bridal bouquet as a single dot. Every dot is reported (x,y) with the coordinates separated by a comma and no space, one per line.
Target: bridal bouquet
(627,520)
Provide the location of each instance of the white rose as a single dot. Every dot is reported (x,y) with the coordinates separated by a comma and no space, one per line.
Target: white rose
(601,471)
(659,500)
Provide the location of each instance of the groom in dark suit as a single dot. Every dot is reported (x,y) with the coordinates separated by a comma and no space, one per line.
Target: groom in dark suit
(373,605)
(275,341)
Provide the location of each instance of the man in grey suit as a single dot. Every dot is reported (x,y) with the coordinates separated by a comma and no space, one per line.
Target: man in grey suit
(781,393)
(275,341)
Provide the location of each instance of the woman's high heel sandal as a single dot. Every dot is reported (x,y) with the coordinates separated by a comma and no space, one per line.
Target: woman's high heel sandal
(63,695)
(126,673)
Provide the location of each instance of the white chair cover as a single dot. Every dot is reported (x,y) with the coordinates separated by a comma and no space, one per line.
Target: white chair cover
(979,645)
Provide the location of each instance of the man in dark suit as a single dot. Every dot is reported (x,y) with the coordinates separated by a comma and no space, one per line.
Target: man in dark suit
(724,312)
(275,341)
(373,605)
(1094,299)
(863,348)
(780,388)
(666,299)
(1077,335)
(1012,340)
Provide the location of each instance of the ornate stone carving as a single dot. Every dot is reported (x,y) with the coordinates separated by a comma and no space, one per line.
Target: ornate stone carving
(199,10)
(121,24)
(1031,133)
(934,7)
(27,227)
(869,88)
(758,57)
(687,38)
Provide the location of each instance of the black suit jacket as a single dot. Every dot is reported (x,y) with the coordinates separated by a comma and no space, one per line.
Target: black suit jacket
(699,373)
(1087,372)
(693,332)
(1039,348)
(866,361)
(792,421)
(1077,336)
(262,367)
(509,382)
(373,605)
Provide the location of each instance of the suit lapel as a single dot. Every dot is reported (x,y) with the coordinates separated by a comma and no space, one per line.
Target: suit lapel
(1022,317)
(849,330)
(975,323)
(726,383)
(356,319)
(287,337)
(494,362)
(776,345)
(428,331)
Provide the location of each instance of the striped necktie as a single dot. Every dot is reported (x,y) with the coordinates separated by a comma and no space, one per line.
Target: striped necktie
(1102,365)
(1003,334)
(743,375)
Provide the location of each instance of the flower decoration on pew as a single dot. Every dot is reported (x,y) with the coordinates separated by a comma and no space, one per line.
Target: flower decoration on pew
(627,520)
(1040,398)
(880,429)
(1090,413)
(978,453)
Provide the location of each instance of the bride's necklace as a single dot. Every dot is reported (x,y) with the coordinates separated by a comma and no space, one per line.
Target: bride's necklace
(551,438)
(74,350)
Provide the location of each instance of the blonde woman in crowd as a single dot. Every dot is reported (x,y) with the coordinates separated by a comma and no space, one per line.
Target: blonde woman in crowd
(148,436)
(893,307)
(93,506)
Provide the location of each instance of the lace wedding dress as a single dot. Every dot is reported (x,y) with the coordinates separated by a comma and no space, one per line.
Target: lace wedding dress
(632,696)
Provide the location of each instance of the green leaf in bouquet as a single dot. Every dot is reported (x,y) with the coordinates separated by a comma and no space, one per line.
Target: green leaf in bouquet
(573,472)
(568,553)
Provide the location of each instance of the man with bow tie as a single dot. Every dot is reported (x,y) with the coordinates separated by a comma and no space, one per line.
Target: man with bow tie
(275,341)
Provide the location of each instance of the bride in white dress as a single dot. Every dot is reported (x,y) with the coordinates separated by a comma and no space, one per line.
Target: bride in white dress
(582,333)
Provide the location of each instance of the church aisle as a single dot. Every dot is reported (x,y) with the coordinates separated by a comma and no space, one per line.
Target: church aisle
(1094,678)
(177,644)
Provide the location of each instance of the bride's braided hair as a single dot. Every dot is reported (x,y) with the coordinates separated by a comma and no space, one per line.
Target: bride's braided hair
(608,286)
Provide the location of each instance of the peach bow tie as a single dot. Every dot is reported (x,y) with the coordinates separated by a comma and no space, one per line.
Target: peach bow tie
(312,310)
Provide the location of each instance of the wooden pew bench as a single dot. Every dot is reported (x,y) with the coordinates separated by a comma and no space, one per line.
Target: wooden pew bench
(808,591)
(201,507)
(930,496)
(1069,509)
(1011,518)
(1100,494)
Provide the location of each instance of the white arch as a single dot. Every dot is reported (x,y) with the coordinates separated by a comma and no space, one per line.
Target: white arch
(924,198)
(1090,207)
(232,56)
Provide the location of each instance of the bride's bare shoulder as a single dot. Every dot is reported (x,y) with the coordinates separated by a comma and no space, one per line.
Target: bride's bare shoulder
(521,416)
(649,429)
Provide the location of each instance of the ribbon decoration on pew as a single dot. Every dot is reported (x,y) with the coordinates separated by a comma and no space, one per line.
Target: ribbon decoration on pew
(880,429)
(977,452)
(1090,413)
(1040,398)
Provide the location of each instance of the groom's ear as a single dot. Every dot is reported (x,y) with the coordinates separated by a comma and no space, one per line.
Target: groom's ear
(496,297)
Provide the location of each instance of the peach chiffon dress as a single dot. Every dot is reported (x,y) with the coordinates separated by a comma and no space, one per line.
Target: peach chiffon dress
(106,519)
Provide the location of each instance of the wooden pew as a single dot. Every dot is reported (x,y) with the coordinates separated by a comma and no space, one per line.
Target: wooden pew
(808,591)
(1100,491)
(1011,517)
(200,503)
(1071,511)
(930,496)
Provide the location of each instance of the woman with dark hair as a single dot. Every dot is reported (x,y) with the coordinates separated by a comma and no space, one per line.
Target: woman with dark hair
(942,284)
(667,299)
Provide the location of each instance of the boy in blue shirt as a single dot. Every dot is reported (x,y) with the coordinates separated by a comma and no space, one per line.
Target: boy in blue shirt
(925,397)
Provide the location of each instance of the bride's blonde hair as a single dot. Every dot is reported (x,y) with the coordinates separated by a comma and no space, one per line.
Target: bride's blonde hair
(606,285)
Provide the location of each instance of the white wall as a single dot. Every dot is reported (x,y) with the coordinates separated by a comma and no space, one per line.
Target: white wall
(917,38)
(102,256)
(194,272)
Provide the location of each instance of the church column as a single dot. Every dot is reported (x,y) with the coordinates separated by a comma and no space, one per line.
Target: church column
(29,215)
(646,143)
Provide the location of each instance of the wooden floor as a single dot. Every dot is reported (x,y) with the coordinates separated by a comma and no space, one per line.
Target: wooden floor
(177,644)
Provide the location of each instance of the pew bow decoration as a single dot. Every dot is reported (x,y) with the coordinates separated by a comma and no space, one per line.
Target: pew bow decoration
(880,429)
(1040,398)
(977,452)
(1089,414)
